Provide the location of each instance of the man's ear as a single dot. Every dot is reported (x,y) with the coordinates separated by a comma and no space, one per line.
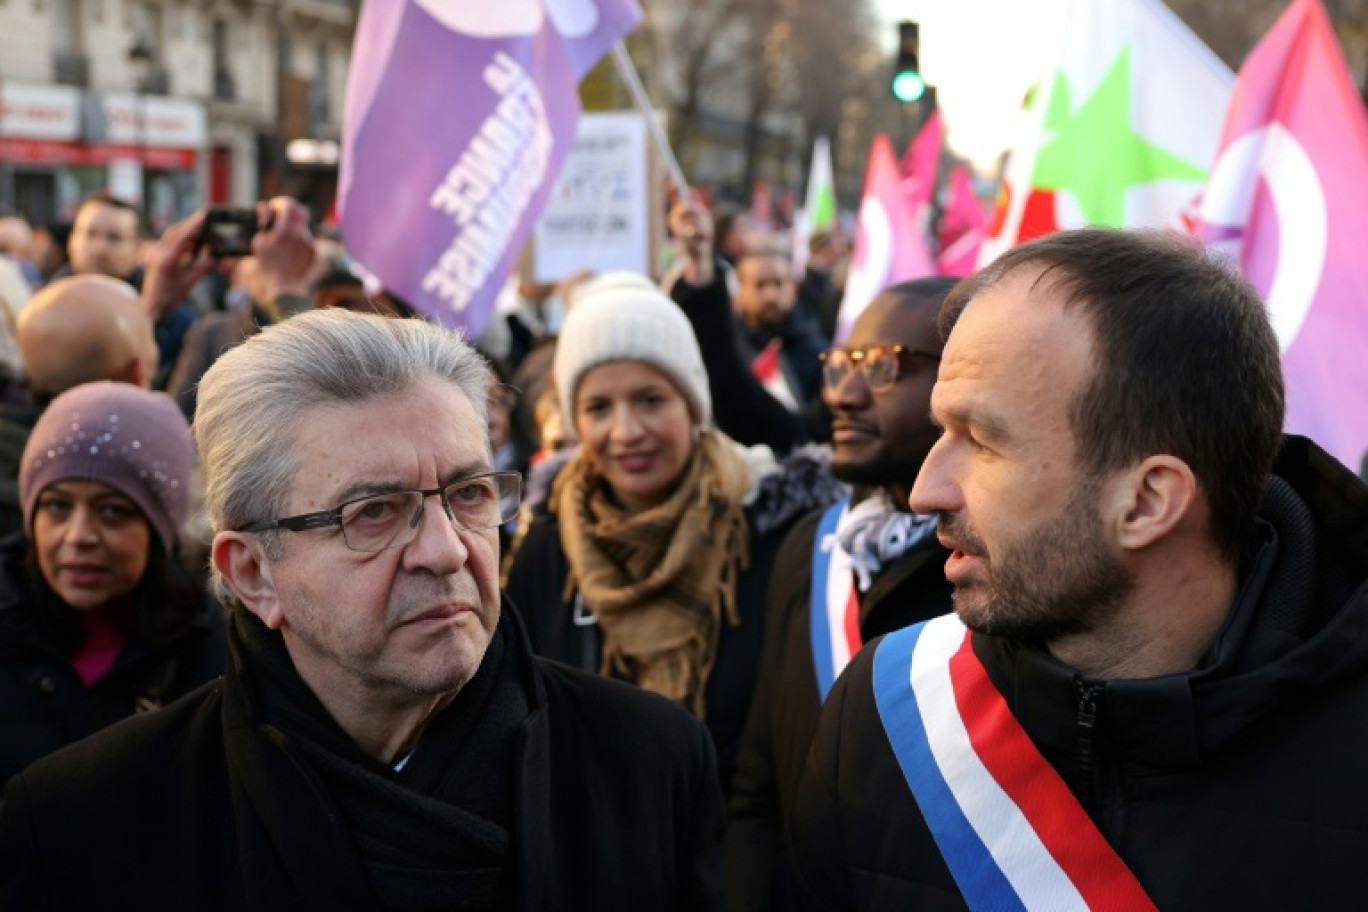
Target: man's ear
(242,561)
(136,373)
(1152,499)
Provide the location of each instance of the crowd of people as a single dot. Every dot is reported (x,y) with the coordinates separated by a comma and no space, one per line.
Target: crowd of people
(654,595)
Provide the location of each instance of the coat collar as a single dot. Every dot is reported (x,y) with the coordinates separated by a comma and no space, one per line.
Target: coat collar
(295,843)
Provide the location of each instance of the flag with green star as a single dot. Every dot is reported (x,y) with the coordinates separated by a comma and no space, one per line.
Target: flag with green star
(821,189)
(1122,131)
(819,208)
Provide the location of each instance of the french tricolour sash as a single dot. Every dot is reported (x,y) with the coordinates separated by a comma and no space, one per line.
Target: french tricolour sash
(1012,833)
(835,615)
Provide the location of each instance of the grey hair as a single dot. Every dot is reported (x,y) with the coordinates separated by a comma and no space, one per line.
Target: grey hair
(253,399)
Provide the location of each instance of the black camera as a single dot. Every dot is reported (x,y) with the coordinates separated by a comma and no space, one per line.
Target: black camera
(228,232)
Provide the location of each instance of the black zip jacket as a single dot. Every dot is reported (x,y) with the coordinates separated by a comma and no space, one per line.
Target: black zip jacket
(1238,785)
(742,408)
(783,715)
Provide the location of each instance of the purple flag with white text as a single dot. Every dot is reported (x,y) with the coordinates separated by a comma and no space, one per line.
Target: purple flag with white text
(458,117)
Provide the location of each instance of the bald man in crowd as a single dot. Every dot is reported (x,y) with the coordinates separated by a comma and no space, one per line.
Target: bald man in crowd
(75,330)
(85,328)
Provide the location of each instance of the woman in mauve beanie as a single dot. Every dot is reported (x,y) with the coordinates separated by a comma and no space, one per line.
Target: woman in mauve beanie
(98,618)
(651,562)
(129,438)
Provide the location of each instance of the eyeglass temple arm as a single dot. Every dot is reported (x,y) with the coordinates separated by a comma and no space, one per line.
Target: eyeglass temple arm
(322,520)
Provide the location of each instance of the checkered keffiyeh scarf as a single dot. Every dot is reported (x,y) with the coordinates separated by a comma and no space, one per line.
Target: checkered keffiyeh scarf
(873,534)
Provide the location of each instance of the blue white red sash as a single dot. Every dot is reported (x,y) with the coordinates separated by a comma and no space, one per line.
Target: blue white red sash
(835,614)
(1012,833)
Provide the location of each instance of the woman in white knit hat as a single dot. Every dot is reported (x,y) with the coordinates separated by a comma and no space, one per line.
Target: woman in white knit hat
(652,559)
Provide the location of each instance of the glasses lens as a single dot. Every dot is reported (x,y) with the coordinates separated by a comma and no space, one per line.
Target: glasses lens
(881,367)
(835,367)
(486,501)
(373,524)
(510,495)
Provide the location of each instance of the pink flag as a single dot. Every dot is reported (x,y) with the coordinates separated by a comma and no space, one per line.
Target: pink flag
(1288,198)
(963,226)
(890,246)
(921,162)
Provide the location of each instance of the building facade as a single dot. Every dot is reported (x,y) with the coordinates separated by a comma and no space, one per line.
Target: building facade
(175,104)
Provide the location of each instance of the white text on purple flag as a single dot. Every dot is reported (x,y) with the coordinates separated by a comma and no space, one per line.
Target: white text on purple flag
(486,192)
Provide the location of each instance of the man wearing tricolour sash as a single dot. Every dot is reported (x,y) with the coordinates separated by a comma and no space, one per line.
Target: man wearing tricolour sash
(845,575)
(1149,692)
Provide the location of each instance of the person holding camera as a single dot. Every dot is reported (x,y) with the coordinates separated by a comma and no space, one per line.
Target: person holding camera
(276,276)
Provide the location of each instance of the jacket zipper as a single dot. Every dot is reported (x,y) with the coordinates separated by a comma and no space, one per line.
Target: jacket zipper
(1086,734)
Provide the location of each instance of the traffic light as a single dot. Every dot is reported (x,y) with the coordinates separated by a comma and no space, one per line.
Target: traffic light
(908,84)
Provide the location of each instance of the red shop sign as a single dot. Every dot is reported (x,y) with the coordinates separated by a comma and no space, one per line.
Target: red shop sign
(46,152)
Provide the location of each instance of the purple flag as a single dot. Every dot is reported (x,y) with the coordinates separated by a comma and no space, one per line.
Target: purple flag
(458,117)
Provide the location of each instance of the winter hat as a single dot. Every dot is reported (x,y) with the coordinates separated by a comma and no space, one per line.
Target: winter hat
(622,316)
(129,438)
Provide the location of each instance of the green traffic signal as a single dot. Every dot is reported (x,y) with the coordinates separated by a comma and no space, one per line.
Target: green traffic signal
(907,84)
(908,87)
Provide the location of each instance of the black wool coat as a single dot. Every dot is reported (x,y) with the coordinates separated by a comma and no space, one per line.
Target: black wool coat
(200,806)
(783,715)
(44,704)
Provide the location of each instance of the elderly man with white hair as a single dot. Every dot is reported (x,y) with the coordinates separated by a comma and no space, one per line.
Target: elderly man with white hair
(384,737)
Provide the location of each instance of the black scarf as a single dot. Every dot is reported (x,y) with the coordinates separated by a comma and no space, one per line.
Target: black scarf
(436,834)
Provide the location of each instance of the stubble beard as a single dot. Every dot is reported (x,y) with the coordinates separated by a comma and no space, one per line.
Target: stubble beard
(1059,581)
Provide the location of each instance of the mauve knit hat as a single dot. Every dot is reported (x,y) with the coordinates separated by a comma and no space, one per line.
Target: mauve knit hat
(622,316)
(129,438)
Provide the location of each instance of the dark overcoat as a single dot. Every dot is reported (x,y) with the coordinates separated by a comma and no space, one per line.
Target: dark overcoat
(200,806)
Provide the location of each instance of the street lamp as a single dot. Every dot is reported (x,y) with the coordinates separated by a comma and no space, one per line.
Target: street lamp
(139,62)
(140,66)
(6,172)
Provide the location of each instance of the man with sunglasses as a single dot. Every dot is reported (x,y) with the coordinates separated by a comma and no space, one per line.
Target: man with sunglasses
(384,737)
(852,572)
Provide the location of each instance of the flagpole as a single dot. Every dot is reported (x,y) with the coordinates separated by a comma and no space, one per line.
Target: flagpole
(627,70)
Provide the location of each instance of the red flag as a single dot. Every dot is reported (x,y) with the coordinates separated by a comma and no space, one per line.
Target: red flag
(769,370)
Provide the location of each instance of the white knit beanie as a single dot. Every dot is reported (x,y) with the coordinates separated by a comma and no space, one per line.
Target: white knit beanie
(622,316)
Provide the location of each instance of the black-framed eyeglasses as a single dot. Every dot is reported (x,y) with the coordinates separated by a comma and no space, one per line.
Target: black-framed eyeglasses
(881,365)
(383,522)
